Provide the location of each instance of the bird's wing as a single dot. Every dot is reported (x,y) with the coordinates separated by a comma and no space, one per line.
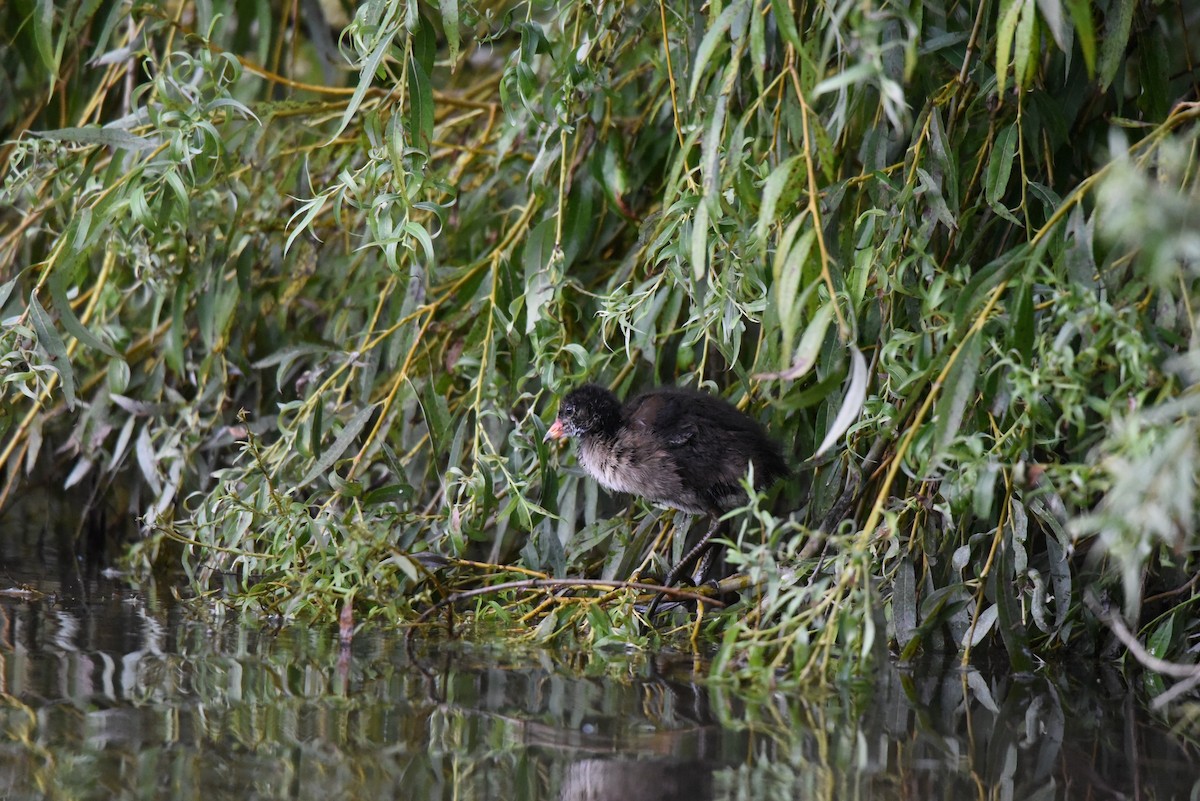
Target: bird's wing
(660,415)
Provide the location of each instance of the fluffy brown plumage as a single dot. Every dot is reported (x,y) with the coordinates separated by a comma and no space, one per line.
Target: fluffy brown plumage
(677,448)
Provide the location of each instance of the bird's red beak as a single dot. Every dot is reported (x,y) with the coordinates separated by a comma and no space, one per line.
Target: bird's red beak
(555,431)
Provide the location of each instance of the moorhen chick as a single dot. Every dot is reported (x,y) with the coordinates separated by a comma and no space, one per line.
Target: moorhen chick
(678,448)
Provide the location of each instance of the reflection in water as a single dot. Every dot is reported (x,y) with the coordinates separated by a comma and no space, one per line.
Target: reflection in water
(125,697)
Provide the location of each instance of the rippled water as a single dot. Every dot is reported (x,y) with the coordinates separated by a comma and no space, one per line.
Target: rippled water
(110,693)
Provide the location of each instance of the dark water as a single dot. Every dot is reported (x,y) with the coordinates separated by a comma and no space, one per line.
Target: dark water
(109,693)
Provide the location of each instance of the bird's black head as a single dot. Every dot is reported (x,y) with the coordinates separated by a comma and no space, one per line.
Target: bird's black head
(586,410)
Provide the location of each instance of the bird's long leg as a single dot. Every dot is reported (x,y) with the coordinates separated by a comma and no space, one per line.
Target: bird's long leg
(691,556)
(698,550)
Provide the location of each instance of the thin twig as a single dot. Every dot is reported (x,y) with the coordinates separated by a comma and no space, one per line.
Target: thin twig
(1144,657)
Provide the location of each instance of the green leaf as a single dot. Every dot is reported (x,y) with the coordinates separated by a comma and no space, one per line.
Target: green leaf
(424,43)
(1006,31)
(449,10)
(859,73)
(1060,569)
(811,341)
(959,389)
(1012,630)
(303,218)
(416,231)
(710,152)
(421,107)
(49,339)
(700,243)
(43,20)
(971,297)
(539,289)
(1000,165)
(95,135)
(711,40)
(334,452)
(758,49)
(173,345)
(1026,45)
(1116,37)
(66,316)
(786,21)
(365,79)
(1081,16)
(1052,15)
(852,402)
(904,603)
(1021,321)
(985,623)
(789,271)
(1159,644)
(6,290)
(773,189)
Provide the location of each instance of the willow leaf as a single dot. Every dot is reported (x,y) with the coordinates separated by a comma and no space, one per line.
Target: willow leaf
(1116,36)
(49,339)
(1006,31)
(959,389)
(74,326)
(449,9)
(351,430)
(852,403)
(712,38)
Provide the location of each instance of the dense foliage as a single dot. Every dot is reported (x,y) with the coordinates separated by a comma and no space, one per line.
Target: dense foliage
(313,320)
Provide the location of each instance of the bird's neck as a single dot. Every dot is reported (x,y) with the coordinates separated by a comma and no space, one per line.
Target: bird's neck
(602,436)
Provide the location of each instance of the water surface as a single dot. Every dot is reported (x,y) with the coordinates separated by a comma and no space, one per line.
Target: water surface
(110,693)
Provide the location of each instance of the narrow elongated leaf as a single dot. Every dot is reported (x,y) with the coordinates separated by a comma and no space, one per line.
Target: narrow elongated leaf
(449,9)
(539,288)
(788,298)
(773,188)
(1006,31)
(49,339)
(712,38)
(303,218)
(366,78)
(95,135)
(985,623)
(1019,525)
(1081,17)
(1159,643)
(122,444)
(972,296)
(66,316)
(43,19)
(78,472)
(904,603)
(852,403)
(147,461)
(1000,165)
(1052,15)
(1012,629)
(758,49)
(1025,45)
(859,73)
(710,150)
(420,104)
(334,452)
(1022,331)
(6,290)
(1116,36)
(700,242)
(786,21)
(810,343)
(959,389)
